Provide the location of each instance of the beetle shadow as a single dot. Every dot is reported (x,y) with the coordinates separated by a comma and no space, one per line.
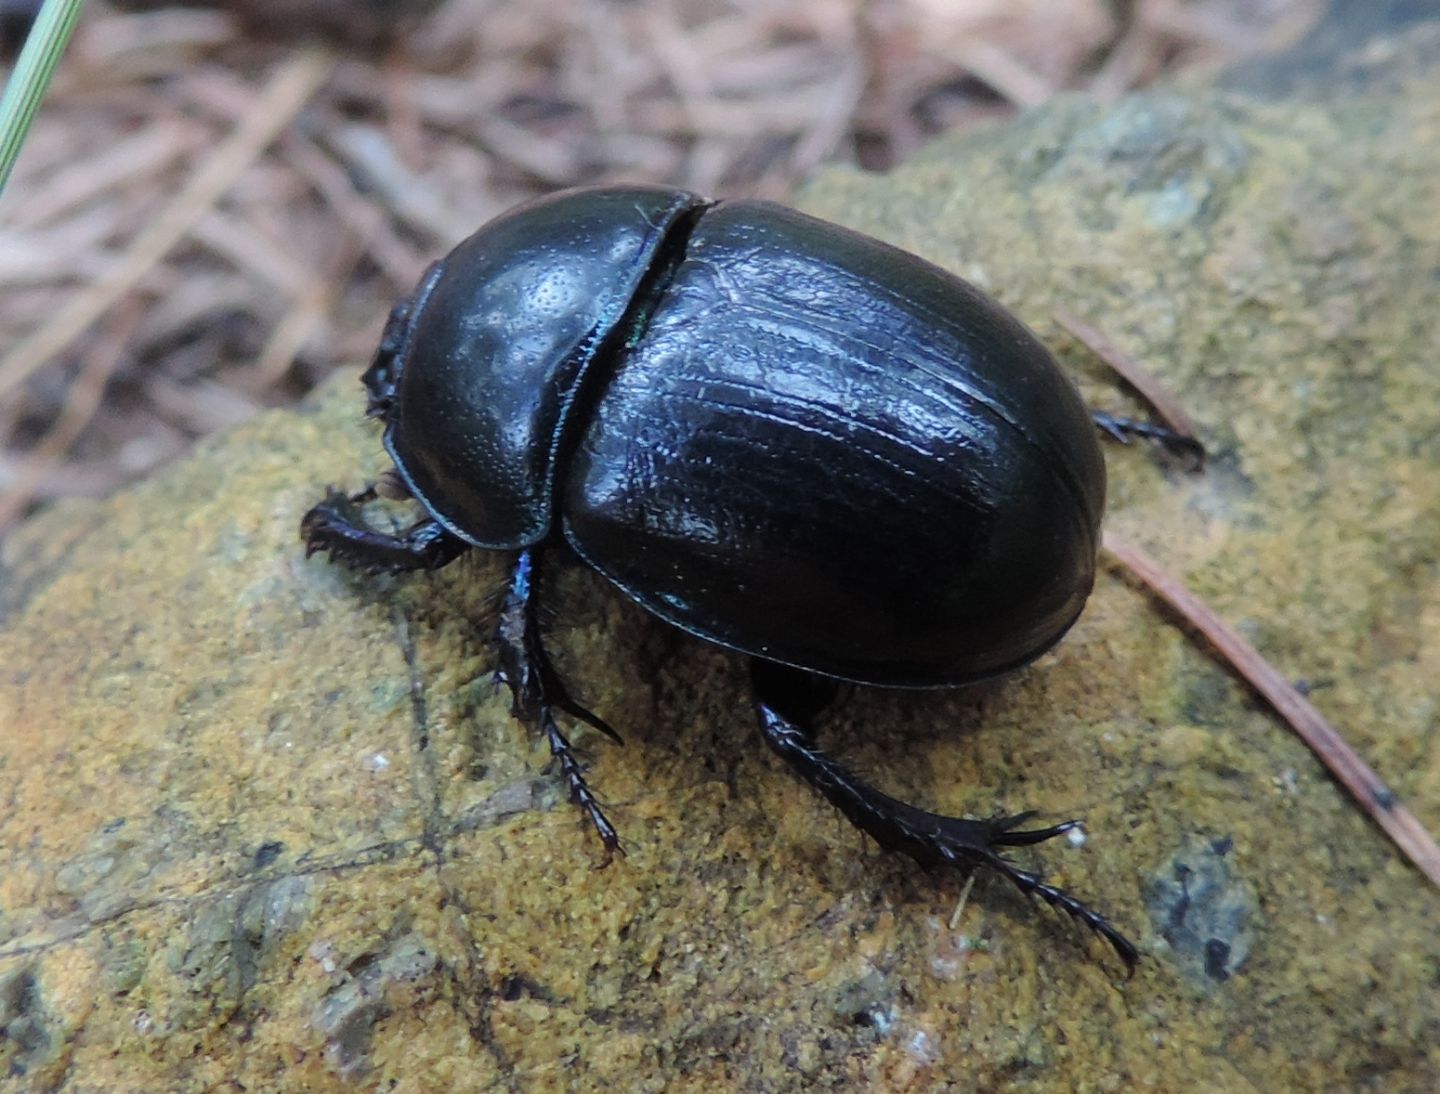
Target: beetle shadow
(869,727)
(652,682)
(673,693)
(684,708)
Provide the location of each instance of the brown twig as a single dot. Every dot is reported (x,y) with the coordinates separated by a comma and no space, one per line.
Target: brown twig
(1165,405)
(1374,797)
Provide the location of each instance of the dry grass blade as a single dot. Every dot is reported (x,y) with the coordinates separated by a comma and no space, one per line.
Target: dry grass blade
(434,118)
(402,263)
(138,156)
(273,110)
(1377,799)
(82,402)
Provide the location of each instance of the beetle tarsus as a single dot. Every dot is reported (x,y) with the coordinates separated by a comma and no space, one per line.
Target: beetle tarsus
(580,792)
(536,691)
(1059,899)
(786,700)
(337,527)
(1181,445)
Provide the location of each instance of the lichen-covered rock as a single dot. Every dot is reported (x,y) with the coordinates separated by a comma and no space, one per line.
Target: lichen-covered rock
(264,824)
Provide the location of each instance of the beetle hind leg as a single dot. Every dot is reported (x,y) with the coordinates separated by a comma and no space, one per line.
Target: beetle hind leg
(537,691)
(337,527)
(1180,445)
(787,700)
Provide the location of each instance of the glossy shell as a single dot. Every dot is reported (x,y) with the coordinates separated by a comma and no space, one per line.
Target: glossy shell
(778,435)
(497,342)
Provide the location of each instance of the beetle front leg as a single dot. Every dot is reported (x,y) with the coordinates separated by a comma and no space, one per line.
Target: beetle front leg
(336,526)
(786,700)
(536,690)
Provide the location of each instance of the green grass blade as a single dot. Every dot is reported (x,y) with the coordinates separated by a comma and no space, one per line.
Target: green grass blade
(38,58)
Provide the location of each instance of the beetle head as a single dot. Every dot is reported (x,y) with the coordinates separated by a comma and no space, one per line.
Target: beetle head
(388,364)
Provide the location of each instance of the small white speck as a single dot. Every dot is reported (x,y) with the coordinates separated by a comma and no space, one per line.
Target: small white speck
(922,1048)
(143,1022)
(1076,836)
(944,968)
(324,954)
(377,761)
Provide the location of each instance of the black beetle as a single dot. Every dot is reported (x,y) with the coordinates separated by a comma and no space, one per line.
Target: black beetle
(779,435)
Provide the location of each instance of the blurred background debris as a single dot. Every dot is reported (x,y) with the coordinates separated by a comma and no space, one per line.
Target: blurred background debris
(220,202)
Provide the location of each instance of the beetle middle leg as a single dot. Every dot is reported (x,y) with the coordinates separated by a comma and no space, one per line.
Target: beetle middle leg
(536,690)
(787,701)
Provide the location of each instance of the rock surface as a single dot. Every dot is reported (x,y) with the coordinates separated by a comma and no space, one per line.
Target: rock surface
(266,825)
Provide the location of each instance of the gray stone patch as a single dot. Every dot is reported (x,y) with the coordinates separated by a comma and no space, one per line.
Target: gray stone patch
(1202,908)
